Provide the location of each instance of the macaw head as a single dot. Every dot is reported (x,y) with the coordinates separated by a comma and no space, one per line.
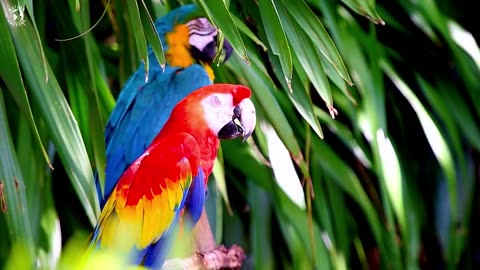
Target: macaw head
(189,38)
(228,111)
(224,110)
(203,39)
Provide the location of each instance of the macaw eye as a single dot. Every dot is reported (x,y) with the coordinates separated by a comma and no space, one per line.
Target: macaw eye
(216,101)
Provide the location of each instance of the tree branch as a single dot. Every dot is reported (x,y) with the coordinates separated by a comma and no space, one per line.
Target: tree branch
(219,258)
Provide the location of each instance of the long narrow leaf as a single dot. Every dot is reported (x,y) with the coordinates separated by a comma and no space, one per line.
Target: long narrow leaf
(312,26)
(245,30)
(285,175)
(58,117)
(434,136)
(138,32)
(152,34)
(363,8)
(276,37)
(262,87)
(300,96)
(306,55)
(10,73)
(12,191)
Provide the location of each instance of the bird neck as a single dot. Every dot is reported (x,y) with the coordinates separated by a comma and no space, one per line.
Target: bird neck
(207,141)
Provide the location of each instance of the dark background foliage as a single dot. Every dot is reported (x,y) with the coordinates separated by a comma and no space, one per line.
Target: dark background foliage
(394,175)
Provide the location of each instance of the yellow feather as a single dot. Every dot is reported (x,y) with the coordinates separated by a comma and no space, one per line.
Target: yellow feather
(178,195)
(172,195)
(138,224)
(164,218)
(124,226)
(148,227)
(178,53)
(128,213)
(109,231)
(209,71)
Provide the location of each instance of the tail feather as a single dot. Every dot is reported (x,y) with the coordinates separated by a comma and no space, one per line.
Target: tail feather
(156,254)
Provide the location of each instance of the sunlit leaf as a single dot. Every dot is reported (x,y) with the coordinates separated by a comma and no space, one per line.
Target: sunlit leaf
(392,176)
(283,169)
(433,134)
(465,40)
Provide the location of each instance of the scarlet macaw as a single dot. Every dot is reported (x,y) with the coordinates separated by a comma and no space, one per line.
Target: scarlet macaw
(146,201)
(143,107)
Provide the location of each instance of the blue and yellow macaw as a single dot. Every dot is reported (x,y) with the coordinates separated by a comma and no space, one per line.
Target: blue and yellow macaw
(143,108)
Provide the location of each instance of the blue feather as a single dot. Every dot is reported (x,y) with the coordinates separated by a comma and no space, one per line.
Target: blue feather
(157,252)
(195,200)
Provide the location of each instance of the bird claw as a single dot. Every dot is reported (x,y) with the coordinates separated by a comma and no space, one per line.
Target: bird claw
(223,258)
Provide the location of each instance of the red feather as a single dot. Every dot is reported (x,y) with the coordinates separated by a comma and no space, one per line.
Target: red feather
(188,117)
(157,180)
(150,194)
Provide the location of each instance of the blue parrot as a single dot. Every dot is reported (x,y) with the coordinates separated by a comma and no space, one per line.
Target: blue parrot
(142,108)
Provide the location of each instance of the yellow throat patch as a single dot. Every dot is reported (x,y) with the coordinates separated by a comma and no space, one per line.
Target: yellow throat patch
(178,53)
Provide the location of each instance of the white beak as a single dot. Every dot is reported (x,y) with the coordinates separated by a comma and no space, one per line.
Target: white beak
(248,118)
(242,123)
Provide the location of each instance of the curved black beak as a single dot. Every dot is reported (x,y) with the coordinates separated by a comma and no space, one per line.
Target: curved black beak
(204,41)
(227,50)
(230,131)
(242,123)
(208,53)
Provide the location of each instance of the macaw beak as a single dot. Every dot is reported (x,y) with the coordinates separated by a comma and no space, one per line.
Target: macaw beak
(203,39)
(227,50)
(208,53)
(242,123)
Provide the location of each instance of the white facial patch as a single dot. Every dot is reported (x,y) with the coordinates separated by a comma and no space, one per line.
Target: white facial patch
(201,33)
(218,110)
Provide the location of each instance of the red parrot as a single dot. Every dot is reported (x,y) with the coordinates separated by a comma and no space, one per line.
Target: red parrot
(149,197)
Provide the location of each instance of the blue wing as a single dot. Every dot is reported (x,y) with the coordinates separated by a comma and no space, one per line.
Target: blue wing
(156,254)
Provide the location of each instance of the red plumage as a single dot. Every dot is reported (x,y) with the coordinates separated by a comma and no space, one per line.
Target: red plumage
(150,195)
(187,117)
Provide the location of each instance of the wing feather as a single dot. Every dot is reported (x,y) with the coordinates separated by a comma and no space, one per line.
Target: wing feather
(149,196)
(141,111)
